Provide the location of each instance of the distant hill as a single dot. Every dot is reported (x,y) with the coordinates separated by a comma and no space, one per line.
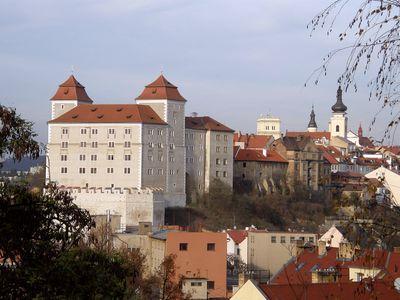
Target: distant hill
(23,165)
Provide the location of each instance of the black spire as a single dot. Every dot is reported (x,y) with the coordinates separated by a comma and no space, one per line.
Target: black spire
(312,123)
(339,106)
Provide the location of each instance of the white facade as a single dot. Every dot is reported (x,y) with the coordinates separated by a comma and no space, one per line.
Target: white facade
(338,124)
(333,237)
(269,126)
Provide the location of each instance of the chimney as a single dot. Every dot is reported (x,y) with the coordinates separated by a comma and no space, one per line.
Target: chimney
(144,228)
(194,114)
(321,248)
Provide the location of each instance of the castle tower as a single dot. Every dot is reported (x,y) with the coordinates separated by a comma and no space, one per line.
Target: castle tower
(69,94)
(269,126)
(164,98)
(338,122)
(312,125)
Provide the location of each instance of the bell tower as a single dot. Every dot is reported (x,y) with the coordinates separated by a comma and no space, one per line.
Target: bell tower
(312,125)
(338,122)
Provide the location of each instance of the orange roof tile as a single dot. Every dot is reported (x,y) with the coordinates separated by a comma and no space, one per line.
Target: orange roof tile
(205,123)
(257,155)
(160,88)
(252,140)
(327,154)
(237,236)
(110,113)
(71,89)
(314,135)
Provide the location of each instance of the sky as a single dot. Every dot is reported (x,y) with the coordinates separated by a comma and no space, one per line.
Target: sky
(233,60)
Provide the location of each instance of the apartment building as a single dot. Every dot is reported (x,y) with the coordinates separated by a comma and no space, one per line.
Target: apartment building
(209,147)
(270,250)
(200,257)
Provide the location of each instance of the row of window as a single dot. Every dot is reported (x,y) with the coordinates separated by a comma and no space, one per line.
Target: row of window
(292,239)
(93,157)
(218,174)
(210,284)
(218,161)
(94,131)
(64,145)
(185,246)
(64,170)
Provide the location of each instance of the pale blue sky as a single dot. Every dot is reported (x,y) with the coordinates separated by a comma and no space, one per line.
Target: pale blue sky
(232,59)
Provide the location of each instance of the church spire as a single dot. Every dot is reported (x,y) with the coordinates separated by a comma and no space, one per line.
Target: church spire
(339,107)
(360,131)
(312,125)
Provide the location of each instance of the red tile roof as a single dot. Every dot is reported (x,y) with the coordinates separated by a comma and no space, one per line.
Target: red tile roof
(205,123)
(237,236)
(161,88)
(364,290)
(71,89)
(252,140)
(257,155)
(327,154)
(110,113)
(314,135)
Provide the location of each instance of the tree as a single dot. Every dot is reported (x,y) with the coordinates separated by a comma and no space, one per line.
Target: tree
(373,34)
(16,135)
(35,229)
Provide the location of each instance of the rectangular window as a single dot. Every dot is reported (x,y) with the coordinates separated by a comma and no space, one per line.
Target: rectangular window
(225,138)
(171,146)
(159,132)
(81,170)
(183,247)
(210,246)
(83,131)
(63,158)
(127,157)
(225,174)
(93,170)
(171,159)
(151,145)
(273,239)
(311,239)
(150,131)
(283,239)
(217,173)
(64,131)
(127,170)
(110,170)
(82,157)
(225,149)
(64,145)
(218,137)
(94,131)
(150,158)
(160,171)
(171,172)
(225,161)
(127,131)
(210,285)
(217,149)
(149,171)
(292,239)
(83,144)
(64,170)
(111,144)
(110,157)
(195,283)
(127,144)
(93,157)
(111,131)
(160,157)
(160,145)
(94,144)
(217,161)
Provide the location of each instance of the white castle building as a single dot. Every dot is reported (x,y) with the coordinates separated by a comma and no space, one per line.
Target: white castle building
(129,159)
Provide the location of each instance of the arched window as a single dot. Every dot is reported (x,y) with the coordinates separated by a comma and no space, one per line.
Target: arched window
(337,128)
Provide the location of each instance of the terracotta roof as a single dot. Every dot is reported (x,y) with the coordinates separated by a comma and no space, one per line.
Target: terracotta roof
(313,135)
(71,89)
(364,290)
(160,88)
(327,154)
(237,236)
(110,113)
(252,140)
(257,155)
(365,142)
(205,123)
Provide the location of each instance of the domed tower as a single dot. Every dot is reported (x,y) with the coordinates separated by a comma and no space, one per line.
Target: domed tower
(69,94)
(338,122)
(312,125)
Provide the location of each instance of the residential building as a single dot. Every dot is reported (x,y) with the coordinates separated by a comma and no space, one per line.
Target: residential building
(209,147)
(305,161)
(270,250)
(237,244)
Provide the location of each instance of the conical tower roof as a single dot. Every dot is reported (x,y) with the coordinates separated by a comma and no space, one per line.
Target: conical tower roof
(339,106)
(312,123)
(71,89)
(161,88)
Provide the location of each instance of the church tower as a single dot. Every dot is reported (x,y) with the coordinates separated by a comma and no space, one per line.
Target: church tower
(164,98)
(338,122)
(69,94)
(312,125)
